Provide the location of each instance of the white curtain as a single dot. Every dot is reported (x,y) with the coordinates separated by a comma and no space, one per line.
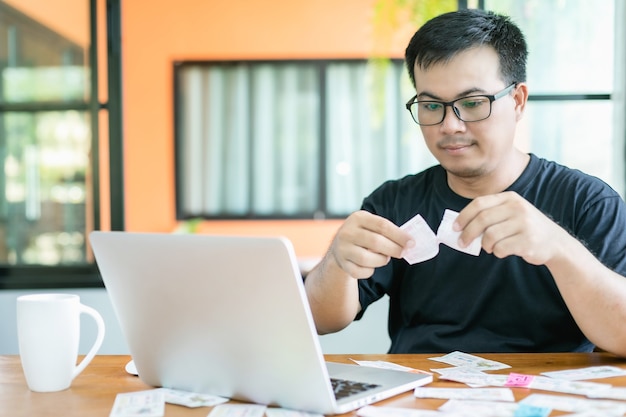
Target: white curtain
(368,141)
(250,138)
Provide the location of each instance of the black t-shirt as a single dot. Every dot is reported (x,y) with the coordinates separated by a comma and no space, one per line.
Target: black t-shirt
(457,301)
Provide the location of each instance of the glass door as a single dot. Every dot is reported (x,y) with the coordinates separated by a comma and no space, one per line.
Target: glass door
(51,105)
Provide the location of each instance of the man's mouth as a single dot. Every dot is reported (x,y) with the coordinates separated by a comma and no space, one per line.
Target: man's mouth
(455,146)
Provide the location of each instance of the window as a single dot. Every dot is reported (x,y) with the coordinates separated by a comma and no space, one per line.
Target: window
(571,112)
(289,139)
(50,112)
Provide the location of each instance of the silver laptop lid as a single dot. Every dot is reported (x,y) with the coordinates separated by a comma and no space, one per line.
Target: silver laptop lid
(216,314)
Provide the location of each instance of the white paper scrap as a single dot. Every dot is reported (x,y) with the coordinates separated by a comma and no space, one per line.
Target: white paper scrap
(612,393)
(389,365)
(592,372)
(490,394)
(574,404)
(567,387)
(238,410)
(447,235)
(481,408)
(283,412)
(472,377)
(427,243)
(191,399)
(459,359)
(149,403)
(381,411)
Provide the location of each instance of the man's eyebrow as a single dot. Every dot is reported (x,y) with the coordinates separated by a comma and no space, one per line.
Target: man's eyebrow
(425,95)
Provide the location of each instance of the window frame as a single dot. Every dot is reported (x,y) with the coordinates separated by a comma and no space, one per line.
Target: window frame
(84,275)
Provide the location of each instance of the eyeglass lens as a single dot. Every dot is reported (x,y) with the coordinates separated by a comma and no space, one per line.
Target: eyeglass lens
(468,109)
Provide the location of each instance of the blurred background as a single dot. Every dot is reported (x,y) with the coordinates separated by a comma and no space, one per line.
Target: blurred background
(250,117)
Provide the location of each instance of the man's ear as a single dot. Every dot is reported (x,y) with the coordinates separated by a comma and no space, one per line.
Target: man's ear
(520,95)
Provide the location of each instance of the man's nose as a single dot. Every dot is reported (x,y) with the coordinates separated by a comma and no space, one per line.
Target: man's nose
(451,121)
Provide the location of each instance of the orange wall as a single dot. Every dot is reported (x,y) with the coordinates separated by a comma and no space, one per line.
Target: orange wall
(69,18)
(158,33)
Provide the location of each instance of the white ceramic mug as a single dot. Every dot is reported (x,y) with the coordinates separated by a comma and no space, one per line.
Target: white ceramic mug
(48,331)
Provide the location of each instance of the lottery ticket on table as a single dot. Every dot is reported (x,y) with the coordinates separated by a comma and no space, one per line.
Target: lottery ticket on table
(592,372)
(613,393)
(149,403)
(525,410)
(458,359)
(519,380)
(494,409)
(472,377)
(381,411)
(191,399)
(389,365)
(567,387)
(595,413)
(491,394)
(574,404)
(476,378)
(480,408)
(238,410)
(283,412)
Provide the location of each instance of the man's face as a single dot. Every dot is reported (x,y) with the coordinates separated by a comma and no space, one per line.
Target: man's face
(469,150)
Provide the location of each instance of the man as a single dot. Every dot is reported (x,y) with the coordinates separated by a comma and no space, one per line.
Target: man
(549,276)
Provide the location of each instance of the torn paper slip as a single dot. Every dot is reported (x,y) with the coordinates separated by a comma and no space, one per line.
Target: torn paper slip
(389,365)
(480,408)
(489,394)
(592,372)
(382,411)
(575,404)
(463,359)
(191,399)
(427,243)
(472,377)
(149,403)
(238,410)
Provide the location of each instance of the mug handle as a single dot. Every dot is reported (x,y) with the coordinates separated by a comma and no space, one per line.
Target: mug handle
(94,349)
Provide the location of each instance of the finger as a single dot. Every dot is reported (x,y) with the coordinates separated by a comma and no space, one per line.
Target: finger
(384,236)
(475,207)
(517,245)
(496,235)
(363,264)
(532,236)
(482,214)
(490,224)
(356,260)
(357,249)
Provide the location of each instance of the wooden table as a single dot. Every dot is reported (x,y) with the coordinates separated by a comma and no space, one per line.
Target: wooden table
(93,392)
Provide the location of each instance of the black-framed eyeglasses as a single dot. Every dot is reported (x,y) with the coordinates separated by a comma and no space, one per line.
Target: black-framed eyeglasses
(467,109)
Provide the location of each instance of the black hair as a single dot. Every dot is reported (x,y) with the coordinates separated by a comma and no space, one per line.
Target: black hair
(444,36)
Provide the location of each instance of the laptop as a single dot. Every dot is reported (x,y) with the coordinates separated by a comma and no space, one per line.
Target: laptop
(228,316)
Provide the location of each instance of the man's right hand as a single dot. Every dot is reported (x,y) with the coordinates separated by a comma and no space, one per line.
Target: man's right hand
(363,242)
(366,241)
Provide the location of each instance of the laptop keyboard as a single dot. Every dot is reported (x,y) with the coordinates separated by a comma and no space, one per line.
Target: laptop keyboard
(344,388)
